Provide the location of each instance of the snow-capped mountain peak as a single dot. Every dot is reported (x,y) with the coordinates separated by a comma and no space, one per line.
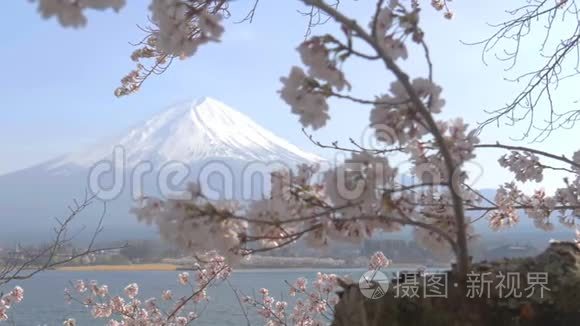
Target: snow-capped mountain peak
(193,131)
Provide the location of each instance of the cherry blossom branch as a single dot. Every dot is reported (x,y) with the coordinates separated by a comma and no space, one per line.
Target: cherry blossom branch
(463,255)
(317,298)
(196,29)
(292,237)
(134,311)
(197,292)
(561,158)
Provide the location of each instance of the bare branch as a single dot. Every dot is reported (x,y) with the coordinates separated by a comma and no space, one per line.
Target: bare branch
(534,104)
(47,257)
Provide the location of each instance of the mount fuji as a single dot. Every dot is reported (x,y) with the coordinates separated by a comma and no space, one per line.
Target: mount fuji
(203,137)
(190,132)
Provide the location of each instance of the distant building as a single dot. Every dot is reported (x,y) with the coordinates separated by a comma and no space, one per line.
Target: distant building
(400,251)
(511,251)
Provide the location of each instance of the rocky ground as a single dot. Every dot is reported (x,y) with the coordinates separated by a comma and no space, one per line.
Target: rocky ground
(485,299)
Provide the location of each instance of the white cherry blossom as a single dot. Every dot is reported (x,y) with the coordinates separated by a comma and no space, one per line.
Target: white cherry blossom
(396,112)
(70,13)
(297,92)
(525,166)
(181,29)
(315,56)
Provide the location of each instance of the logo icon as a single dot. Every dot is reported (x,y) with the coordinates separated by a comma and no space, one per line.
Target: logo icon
(374,284)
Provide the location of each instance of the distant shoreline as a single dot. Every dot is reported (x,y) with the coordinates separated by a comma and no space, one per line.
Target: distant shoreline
(120,268)
(173,267)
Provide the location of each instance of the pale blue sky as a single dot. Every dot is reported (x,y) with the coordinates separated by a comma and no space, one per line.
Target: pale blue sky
(56,89)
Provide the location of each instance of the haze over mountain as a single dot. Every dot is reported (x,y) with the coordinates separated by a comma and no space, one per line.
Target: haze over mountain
(198,139)
(202,140)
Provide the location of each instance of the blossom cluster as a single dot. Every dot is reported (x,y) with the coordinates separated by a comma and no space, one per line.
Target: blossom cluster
(129,309)
(435,208)
(298,93)
(396,118)
(202,225)
(180,28)
(313,305)
(70,13)
(306,92)
(195,222)
(392,24)
(378,261)
(539,206)
(10,299)
(439,5)
(526,166)
(349,203)
(183,26)
(506,215)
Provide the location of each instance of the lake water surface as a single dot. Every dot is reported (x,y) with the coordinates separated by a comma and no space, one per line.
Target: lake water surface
(44,302)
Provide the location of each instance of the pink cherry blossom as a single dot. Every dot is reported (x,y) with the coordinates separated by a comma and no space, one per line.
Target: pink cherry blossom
(378,260)
(132,290)
(183,278)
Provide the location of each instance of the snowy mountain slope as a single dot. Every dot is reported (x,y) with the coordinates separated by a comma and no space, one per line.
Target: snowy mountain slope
(191,132)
